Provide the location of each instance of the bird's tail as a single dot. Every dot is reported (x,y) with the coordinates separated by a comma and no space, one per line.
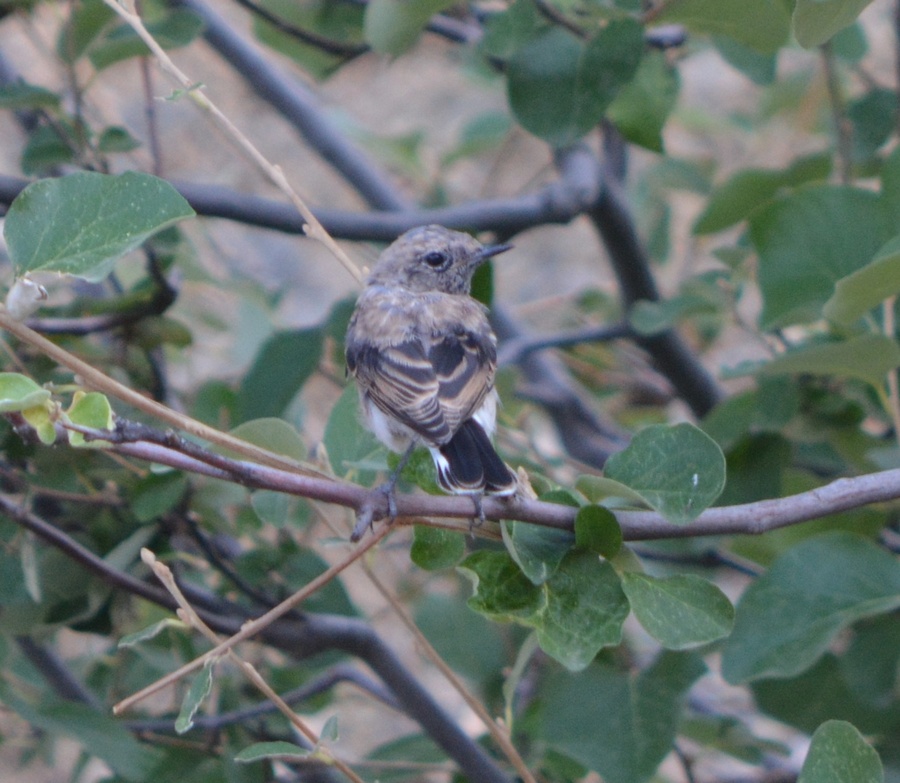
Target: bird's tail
(468,464)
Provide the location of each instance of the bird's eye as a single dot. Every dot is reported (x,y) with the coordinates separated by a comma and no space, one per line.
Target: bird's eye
(436,259)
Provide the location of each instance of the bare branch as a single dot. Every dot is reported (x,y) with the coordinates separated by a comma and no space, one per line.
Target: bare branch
(747,519)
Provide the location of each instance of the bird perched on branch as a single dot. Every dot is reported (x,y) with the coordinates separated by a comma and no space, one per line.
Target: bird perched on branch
(424,355)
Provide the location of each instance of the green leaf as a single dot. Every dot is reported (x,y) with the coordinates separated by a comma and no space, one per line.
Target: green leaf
(81,223)
(642,106)
(434,549)
(809,240)
(762,25)
(96,731)
(758,67)
(822,693)
(787,618)
(868,357)
(748,189)
(116,139)
(393,26)
(90,410)
(201,686)
(347,442)
(276,435)
(815,21)
(47,147)
(150,632)
(618,724)
(575,613)
(678,470)
(537,550)
(584,610)
(837,753)
(500,590)
(680,611)
(19,392)
(157,494)
(597,530)
(559,87)
(330,731)
(652,317)
(599,488)
(261,751)
(21,95)
(874,117)
(270,506)
(860,291)
(282,366)
(507,31)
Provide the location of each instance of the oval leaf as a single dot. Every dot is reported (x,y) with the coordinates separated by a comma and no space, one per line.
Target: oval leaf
(90,410)
(560,87)
(81,223)
(200,688)
(860,291)
(681,611)
(809,240)
(434,548)
(597,530)
(816,21)
(583,612)
(19,392)
(261,751)
(787,618)
(678,470)
(537,550)
(839,752)
(868,357)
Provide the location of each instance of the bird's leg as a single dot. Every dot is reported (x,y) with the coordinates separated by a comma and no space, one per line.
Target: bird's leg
(365,516)
(478,519)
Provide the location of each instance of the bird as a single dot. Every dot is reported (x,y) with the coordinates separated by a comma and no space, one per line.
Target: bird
(423,355)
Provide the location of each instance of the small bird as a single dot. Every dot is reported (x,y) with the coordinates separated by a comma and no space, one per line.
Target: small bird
(424,356)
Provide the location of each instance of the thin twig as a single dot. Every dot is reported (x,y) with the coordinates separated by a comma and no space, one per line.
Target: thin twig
(843,128)
(253,627)
(893,400)
(274,173)
(500,736)
(95,379)
(189,615)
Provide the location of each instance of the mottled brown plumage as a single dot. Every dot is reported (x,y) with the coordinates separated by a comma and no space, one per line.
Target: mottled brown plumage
(424,356)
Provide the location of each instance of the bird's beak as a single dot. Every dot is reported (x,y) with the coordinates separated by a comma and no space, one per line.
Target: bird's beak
(489,251)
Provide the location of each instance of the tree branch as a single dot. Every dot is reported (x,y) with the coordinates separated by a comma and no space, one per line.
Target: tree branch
(613,220)
(748,518)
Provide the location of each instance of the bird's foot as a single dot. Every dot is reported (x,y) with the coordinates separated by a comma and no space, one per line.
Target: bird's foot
(478,519)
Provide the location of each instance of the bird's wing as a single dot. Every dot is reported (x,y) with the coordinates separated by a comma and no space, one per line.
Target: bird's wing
(431,385)
(464,363)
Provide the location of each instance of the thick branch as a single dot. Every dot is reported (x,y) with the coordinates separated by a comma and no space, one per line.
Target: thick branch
(299,106)
(749,518)
(671,355)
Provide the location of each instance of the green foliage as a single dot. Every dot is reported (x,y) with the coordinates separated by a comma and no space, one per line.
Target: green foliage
(535,622)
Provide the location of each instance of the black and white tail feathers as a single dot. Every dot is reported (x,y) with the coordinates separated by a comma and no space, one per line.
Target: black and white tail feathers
(468,464)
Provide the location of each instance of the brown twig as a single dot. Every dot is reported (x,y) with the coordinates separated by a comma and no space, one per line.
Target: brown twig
(253,627)
(187,614)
